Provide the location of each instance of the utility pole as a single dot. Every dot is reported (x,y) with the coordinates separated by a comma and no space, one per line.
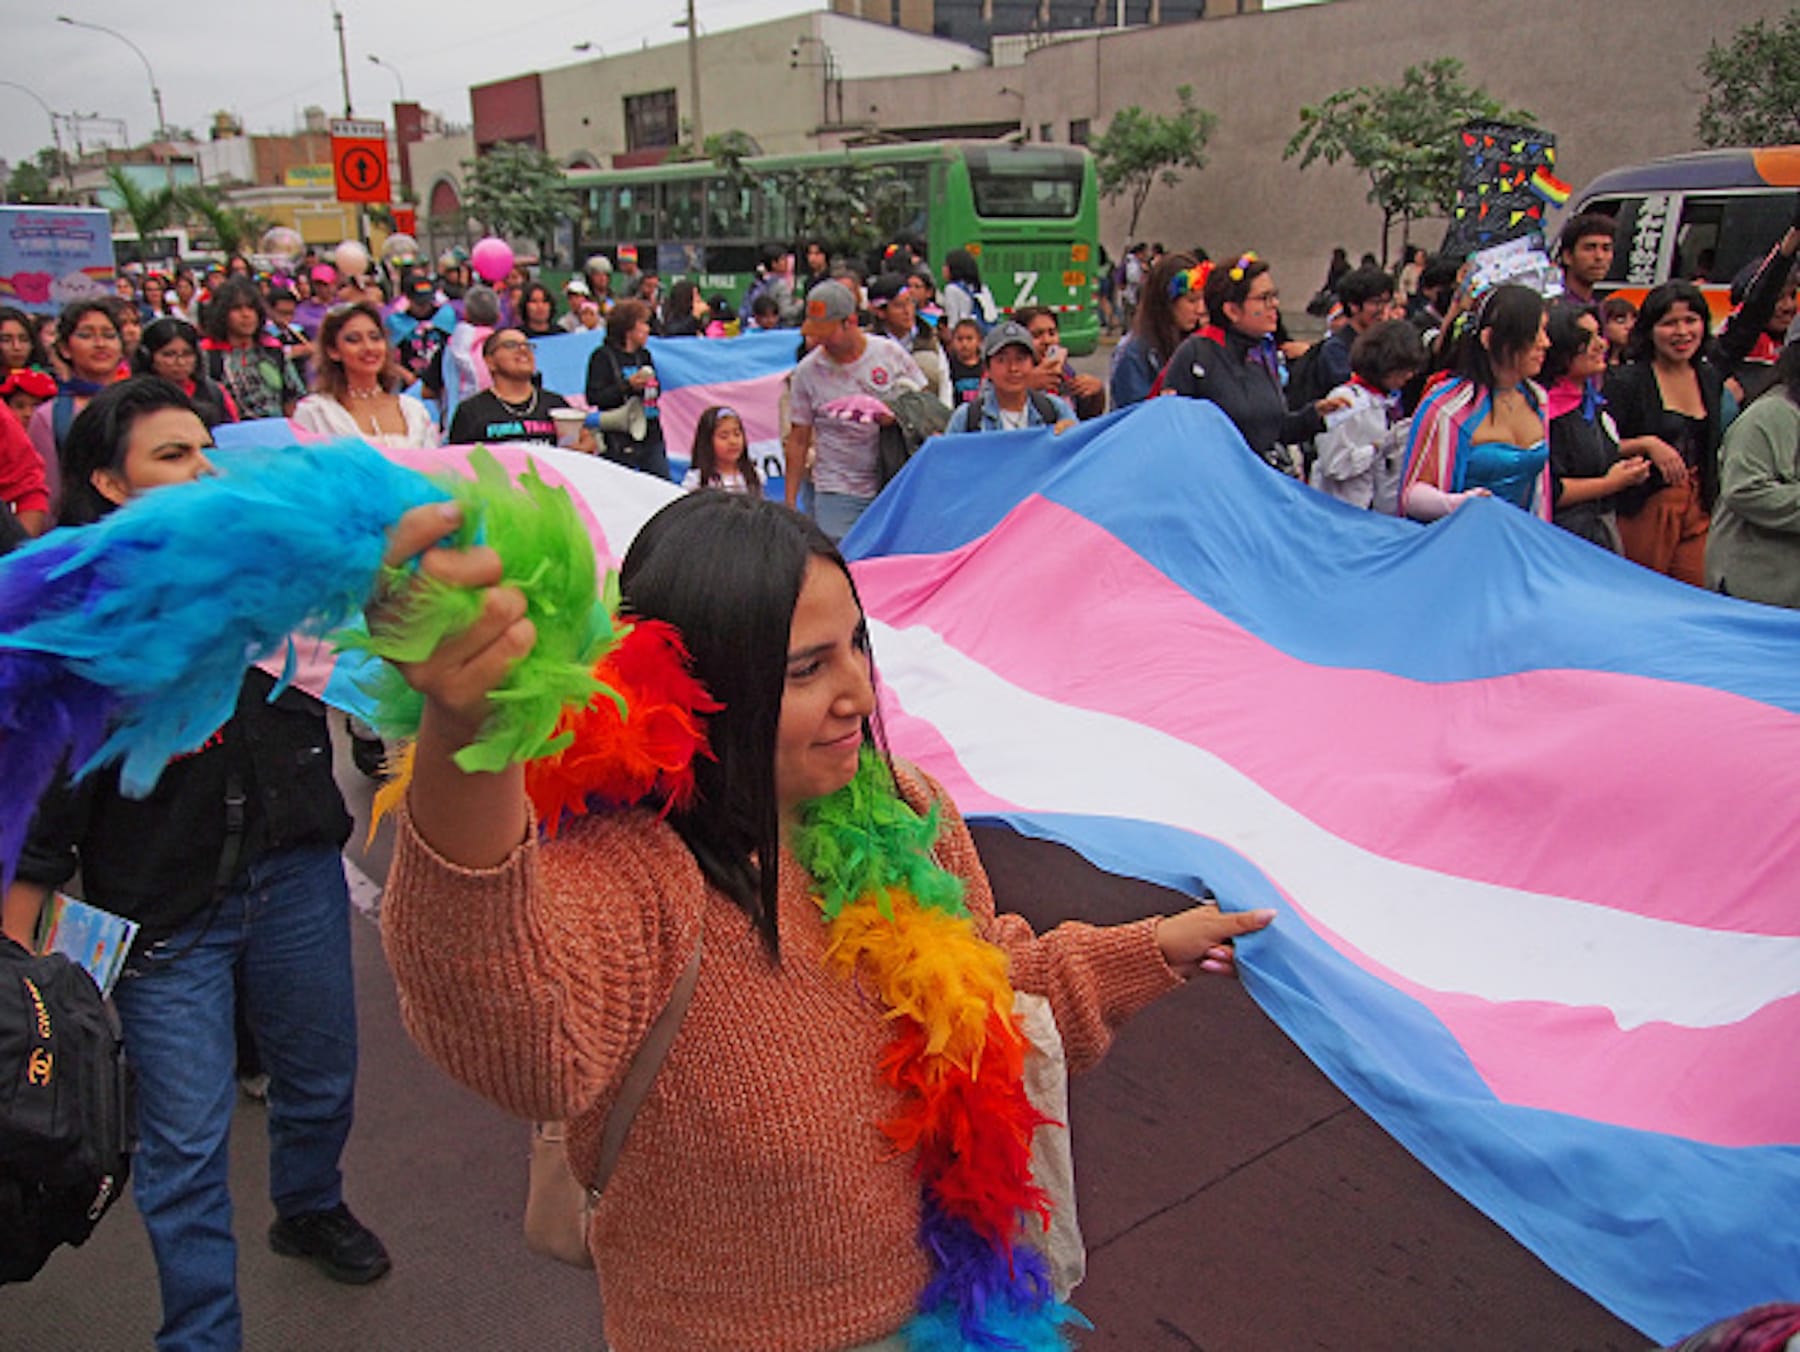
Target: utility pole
(162,121)
(693,46)
(337,20)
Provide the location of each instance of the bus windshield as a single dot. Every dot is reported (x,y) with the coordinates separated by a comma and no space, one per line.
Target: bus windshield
(1010,182)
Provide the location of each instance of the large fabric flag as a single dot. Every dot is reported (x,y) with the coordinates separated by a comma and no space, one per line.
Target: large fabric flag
(747,373)
(1530,814)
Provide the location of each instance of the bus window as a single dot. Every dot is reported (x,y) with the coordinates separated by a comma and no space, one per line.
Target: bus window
(728,211)
(638,217)
(1024,183)
(1722,234)
(603,213)
(777,219)
(682,203)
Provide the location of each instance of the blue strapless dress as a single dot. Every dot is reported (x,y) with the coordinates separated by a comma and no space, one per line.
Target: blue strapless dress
(1505,470)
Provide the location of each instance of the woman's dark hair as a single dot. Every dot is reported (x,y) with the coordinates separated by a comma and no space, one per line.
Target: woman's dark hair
(158,334)
(962,267)
(1617,307)
(726,570)
(77,310)
(924,273)
(1568,340)
(38,357)
(1154,324)
(535,291)
(625,316)
(1640,346)
(1510,315)
(1222,288)
(720,309)
(1787,372)
(328,371)
(703,460)
(678,305)
(1386,349)
(98,438)
(764,304)
(236,293)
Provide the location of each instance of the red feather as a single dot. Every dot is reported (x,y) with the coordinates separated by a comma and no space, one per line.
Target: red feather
(648,752)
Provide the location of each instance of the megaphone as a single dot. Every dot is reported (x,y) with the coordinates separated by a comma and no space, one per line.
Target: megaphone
(628,418)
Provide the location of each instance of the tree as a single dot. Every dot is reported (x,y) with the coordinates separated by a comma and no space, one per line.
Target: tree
(855,206)
(1138,150)
(518,190)
(150,211)
(233,229)
(1404,137)
(29,183)
(1753,94)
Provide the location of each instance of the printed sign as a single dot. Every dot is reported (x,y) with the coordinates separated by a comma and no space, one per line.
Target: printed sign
(359,161)
(50,256)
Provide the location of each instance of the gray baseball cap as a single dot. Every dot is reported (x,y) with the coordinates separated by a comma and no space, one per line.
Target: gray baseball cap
(1007,333)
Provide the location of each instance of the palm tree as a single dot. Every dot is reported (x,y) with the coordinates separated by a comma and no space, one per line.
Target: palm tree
(233,229)
(150,210)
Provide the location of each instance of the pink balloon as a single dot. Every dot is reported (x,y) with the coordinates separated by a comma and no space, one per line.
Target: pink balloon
(493,259)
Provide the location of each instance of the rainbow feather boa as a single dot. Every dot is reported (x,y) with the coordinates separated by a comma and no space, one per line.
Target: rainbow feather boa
(897,923)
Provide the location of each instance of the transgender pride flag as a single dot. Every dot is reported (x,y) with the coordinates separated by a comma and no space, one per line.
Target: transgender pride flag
(1530,814)
(746,373)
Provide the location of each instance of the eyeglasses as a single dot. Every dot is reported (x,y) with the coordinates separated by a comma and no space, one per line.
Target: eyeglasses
(1270,298)
(511,345)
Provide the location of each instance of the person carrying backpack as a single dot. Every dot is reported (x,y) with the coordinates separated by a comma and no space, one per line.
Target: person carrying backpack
(1007,401)
(964,296)
(232,869)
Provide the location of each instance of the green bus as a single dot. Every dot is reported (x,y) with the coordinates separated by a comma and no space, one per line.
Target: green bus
(1029,213)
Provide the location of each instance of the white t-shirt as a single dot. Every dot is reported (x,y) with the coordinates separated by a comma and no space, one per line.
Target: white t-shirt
(731,481)
(844,451)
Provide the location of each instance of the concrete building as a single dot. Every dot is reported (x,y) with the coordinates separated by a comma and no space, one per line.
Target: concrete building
(979,22)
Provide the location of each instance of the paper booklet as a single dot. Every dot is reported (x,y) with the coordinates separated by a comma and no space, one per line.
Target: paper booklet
(94,939)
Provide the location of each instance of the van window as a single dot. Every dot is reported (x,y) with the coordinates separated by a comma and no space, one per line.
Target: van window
(1637,250)
(1722,233)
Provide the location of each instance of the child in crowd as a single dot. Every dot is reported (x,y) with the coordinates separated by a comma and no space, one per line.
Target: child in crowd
(1617,317)
(1363,447)
(965,363)
(723,322)
(765,312)
(24,389)
(720,458)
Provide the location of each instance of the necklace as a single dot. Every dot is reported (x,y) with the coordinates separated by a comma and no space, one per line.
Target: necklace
(524,410)
(369,393)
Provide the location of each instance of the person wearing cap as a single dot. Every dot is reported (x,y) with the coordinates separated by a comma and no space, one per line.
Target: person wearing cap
(1007,400)
(1753,542)
(844,363)
(420,328)
(599,279)
(575,291)
(892,305)
(24,491)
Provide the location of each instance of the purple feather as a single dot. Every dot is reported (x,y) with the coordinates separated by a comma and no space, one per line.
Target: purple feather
(978,1299)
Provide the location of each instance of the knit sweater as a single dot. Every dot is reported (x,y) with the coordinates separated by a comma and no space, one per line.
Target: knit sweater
(756,1207)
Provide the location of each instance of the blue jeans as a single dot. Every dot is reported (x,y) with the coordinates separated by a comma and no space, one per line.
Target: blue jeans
(837,512)
(286,928)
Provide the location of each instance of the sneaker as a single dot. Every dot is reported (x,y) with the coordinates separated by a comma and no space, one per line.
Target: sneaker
(342,1247)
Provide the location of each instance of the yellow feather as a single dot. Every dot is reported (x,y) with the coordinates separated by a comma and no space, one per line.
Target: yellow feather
(928,966)
(393,791)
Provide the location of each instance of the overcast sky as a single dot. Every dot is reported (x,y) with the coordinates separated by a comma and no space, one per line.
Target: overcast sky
(266,60)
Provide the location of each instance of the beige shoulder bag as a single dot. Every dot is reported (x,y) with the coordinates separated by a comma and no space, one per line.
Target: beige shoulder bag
(558,1209)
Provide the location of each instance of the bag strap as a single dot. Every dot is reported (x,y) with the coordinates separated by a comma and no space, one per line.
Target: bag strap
(1046,410)
(645,1066)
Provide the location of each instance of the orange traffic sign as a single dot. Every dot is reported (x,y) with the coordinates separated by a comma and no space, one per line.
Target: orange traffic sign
(359,161)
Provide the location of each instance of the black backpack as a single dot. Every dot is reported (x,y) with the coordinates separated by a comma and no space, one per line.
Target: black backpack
(67,1108)
(1305,373)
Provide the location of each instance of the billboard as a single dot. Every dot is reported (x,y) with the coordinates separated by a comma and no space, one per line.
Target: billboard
(52,255)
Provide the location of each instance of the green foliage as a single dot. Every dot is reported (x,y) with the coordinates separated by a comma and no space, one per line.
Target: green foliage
(1138,150)
(29,183)
(150,211)
(518,190)
(855,206)
(1753,86)
(233,230)
(1403,137)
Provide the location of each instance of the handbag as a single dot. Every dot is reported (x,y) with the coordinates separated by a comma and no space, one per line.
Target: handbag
(1052,1154)
(558,1207)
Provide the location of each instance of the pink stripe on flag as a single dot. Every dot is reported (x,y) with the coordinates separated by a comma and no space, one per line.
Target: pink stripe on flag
(757,402)
(1350,748)
(1324,741)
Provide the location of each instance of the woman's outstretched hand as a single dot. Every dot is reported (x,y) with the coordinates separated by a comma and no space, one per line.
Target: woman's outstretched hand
(460,672)
(1199,939)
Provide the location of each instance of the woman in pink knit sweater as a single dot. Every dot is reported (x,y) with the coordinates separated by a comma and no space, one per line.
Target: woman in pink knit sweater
(756,1206)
